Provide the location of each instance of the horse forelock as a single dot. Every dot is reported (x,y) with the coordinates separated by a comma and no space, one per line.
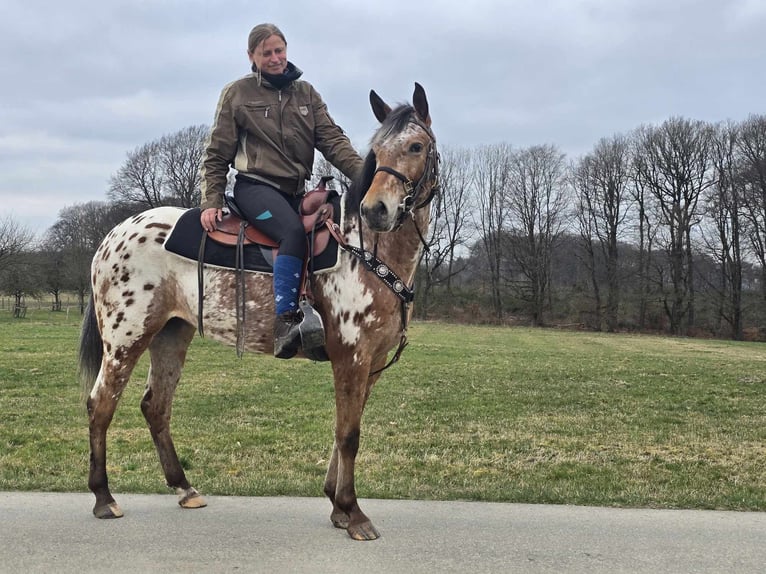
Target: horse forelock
(395,123)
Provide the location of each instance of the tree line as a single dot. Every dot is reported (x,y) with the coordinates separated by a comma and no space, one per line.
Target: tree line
(661,229)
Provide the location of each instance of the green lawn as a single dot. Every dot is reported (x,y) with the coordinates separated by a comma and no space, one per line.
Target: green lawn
(477,413)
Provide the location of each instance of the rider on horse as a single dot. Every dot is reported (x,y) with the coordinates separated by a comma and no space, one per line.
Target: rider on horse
(267,126)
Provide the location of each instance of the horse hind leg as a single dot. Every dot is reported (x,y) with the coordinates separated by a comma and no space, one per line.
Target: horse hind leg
(112,378)
(168,352)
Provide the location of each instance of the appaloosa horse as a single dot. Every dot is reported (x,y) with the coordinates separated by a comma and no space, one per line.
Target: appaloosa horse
(144,297)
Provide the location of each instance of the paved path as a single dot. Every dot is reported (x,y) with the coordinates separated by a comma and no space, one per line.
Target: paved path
(56,533)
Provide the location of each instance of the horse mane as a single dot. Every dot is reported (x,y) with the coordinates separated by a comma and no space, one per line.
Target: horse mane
(360,186)
(395,123)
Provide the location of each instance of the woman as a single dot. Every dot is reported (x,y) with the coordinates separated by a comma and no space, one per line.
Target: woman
(267,126)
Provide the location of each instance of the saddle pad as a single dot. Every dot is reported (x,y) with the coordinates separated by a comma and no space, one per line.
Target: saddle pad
(185,237)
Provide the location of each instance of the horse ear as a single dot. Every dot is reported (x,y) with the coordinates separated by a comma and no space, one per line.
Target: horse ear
(420,103)
(380,108)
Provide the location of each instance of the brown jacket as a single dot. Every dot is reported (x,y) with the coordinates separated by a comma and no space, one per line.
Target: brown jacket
(271,134)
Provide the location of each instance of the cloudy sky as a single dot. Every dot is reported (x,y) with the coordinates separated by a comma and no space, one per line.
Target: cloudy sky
(86,81)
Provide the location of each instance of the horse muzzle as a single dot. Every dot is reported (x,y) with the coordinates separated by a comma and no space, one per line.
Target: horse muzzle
(381,217)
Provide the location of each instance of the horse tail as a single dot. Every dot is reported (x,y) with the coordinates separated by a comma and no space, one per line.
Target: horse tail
(91,349)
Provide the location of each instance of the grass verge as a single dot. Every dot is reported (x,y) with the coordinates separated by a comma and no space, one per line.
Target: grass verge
(474,413)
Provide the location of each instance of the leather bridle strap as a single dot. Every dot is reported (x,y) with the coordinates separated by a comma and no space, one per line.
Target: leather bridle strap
(384,273)
(372,263)
(409,185)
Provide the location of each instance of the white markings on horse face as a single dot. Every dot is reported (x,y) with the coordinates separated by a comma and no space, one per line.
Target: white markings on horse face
(383,204)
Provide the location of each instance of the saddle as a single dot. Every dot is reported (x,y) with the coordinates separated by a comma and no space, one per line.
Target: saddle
(235,231)
(315,210)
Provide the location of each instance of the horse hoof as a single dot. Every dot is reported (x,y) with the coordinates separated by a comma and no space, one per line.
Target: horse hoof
(339,519)
(111,510)
(364,531)
(190,498)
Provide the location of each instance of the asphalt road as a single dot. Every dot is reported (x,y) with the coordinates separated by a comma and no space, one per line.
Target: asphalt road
(56,533)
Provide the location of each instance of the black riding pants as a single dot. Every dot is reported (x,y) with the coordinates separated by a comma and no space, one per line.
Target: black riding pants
(274,213)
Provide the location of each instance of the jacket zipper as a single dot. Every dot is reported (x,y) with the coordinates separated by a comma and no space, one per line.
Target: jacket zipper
(279,95)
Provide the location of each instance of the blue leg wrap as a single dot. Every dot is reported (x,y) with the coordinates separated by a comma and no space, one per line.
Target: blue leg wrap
(287,280)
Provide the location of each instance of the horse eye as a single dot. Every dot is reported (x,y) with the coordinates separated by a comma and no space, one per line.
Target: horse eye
(416,148)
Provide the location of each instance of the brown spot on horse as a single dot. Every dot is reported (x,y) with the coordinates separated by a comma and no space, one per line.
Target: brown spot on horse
(390,204)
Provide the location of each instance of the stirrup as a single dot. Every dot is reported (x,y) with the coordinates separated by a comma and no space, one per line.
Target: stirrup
(311,330)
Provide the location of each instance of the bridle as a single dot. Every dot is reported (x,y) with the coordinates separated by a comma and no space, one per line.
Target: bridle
(410,204)
(413,190)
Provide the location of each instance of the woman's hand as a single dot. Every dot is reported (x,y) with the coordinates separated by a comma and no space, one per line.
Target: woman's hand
(209,217)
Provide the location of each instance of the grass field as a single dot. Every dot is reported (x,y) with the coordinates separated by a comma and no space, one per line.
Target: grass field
(477,413)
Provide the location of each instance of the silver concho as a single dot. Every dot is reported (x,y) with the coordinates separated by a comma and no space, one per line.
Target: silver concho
(382,270)
(398,286)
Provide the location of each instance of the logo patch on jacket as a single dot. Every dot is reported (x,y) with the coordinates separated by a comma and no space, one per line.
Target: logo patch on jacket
(304,110)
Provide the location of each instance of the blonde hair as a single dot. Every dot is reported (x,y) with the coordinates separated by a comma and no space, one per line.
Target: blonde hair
(260,33)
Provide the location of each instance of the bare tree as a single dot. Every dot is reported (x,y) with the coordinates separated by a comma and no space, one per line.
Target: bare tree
(723,205)
(455,204)
(53,271)
(323,168)
(675,169)
(21,278)
(490,176)
(17,274)
(601,180)
(582,180)
(449,213)
(752,147)
(180,157)
(75,237)
(140,179)
(536,201)
(646,229)
(14,240)
(162,172)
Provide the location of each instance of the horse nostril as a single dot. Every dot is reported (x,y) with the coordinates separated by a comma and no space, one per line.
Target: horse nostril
(378,210)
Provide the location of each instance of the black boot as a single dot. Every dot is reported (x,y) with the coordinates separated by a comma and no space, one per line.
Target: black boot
(287,336)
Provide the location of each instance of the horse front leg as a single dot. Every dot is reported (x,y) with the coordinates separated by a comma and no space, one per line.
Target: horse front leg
(168,353)
(338,517)
(351,394)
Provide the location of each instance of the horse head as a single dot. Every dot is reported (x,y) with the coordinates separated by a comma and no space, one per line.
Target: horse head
(405,173)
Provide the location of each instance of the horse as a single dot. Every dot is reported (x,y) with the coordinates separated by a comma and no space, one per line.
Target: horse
(145,298)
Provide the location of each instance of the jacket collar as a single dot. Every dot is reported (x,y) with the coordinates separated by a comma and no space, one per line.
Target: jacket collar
(280,81)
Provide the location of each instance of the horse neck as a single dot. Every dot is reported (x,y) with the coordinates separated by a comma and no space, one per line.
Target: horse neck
(401,249)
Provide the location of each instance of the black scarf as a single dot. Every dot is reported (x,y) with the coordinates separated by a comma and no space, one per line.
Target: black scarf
(279,81)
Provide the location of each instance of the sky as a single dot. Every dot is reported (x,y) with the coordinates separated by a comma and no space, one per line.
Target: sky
(85,82)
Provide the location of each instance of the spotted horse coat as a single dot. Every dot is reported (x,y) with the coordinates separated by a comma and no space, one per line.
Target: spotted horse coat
(144,298)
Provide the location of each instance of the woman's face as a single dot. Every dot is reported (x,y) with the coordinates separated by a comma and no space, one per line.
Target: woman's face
(270,56)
